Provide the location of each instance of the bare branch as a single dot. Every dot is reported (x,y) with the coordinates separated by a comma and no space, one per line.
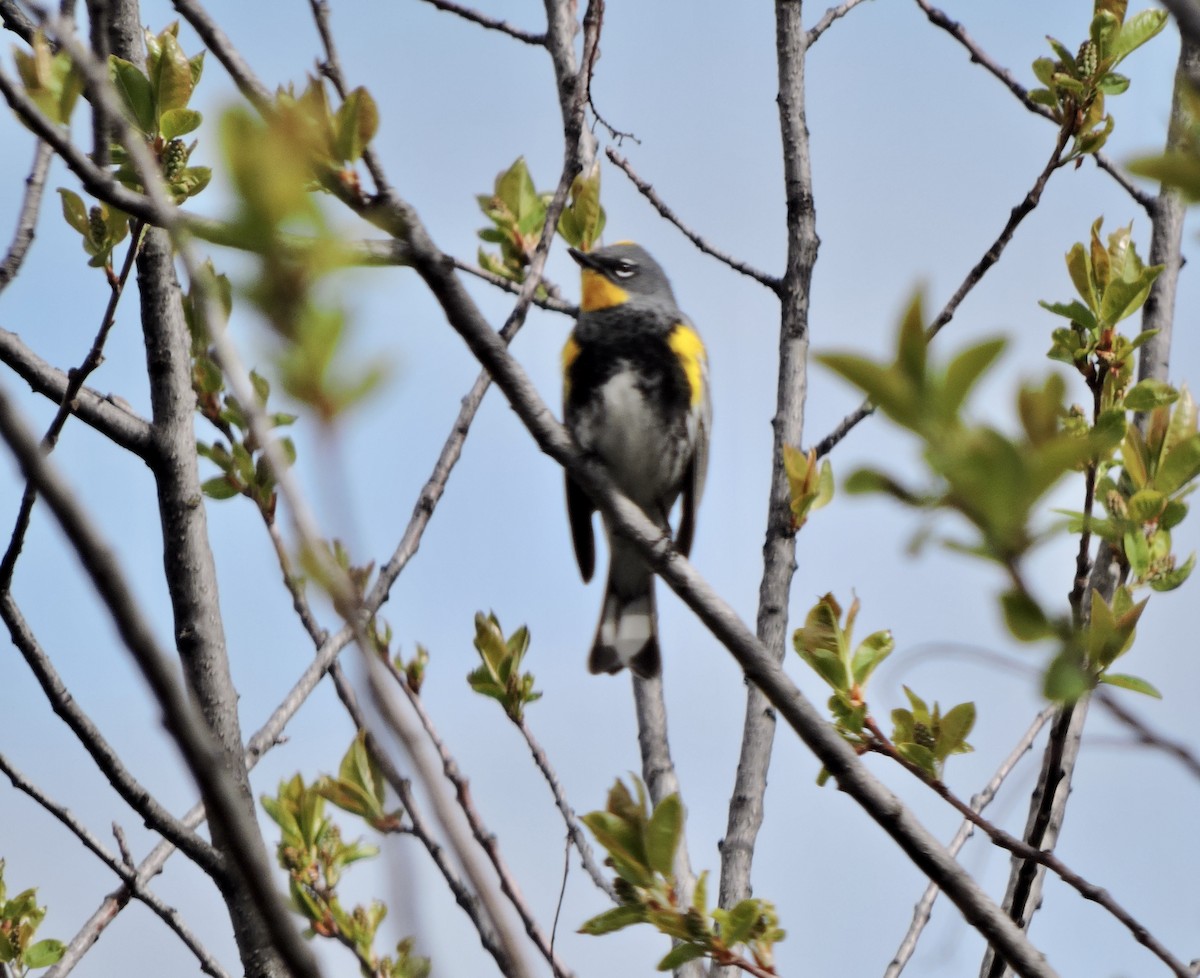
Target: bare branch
(255,92)
(132,792)
(448,815)
(779,548)
(14,19)
(110,416)
(27,217)
(485,838)
(575,834)
(76,377)
(1018,214)
(647,191)
(180,715)
(827,19)
(169,915)
(491,23)
(1148,737)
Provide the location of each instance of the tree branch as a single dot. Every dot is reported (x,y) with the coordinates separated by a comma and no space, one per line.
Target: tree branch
(491,23)
(169,915)
(924,907)
(27,217)
(779,547)
(647,191)
(827,19)
(939,18)
(760,665)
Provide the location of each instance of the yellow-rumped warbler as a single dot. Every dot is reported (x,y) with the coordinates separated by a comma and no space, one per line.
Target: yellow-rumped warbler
(635,396)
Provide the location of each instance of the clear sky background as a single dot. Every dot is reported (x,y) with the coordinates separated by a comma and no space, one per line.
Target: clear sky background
(918,157)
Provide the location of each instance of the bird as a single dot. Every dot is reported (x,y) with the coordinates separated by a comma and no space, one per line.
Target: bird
(636,398)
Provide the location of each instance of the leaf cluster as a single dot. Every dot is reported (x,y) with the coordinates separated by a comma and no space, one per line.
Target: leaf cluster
(992,479)
(155,102)
(313,853)
(333,140)
(274,164)
(517,213)
(20,917)
(101,227)
(499,674)
(244,467)
(1076,84)
(925,736)
(810,486)
(641,846)
(1112,283)
(49,78)
(825,643)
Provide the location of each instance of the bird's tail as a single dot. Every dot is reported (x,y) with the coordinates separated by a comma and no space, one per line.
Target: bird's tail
(628,631)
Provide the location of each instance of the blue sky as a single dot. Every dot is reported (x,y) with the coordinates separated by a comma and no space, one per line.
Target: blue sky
(918,156)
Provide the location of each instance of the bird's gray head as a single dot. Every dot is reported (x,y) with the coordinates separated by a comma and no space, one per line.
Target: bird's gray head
(614,275)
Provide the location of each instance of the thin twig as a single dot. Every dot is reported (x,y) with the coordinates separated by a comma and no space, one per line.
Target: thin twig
(1018,214)
(255,92)
(169,915)
(27,217)
(979,802)
(1148,737)
(956,30)
(75,381)
(483,836)
(467,900)
(491,23)
(827,19)
(1021,849)
(575,834)
(647,191)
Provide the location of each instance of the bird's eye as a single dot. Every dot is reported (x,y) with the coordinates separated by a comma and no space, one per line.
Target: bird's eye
(624,269)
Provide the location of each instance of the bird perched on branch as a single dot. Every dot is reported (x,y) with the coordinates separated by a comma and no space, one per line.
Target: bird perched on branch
(636,396)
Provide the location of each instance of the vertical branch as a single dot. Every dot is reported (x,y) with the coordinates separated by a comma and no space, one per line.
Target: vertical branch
(779,549)
(1166,234)
(35,185)
(190,571)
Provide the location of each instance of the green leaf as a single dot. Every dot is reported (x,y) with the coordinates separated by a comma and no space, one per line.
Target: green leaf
(1137,31)
(43,954)
(1113,83)
(1024,617)
(137,97)
(965,369)
(954,729)
(1171,579)
(356,122)
(178,122)
(75,212)
(172,81)
(869,654)
(1148,394)
(662,835)
(1066,680)
(680,955)
(1180,467)
(615,919)
(219,487)
(1133,683)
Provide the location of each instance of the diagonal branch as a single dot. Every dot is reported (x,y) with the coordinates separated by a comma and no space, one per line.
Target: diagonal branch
(27,217)
(491,23)
(169,915)
(647,191)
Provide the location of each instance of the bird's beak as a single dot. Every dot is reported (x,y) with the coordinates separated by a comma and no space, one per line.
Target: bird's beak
(583,259)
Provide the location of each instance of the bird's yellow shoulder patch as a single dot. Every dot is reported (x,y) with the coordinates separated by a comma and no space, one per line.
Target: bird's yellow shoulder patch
(686,344)
(599,292)
(570,353)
